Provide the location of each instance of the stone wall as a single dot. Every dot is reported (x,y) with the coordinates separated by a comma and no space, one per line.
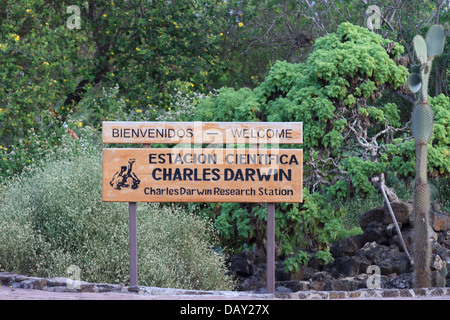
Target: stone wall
(16,281)
(378,247)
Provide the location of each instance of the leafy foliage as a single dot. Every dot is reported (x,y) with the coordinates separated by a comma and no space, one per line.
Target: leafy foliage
(346,71)
(123,63)
(52,216)
(401,156)
(129,58)
(351,135)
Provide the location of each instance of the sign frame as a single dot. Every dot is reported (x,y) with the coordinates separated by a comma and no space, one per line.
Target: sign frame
(254,134)
(202,132)
(217,175)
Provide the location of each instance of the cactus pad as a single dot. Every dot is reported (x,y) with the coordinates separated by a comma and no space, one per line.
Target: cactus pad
(420,47)
(414,82)
(435,40)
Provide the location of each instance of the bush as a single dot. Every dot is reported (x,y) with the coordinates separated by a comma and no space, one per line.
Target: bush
(333,95)
(177,252)
(353,133)
(52,216)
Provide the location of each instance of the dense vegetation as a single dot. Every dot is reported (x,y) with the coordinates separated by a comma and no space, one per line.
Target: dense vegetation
(272,60)
(52,217)
(351,134)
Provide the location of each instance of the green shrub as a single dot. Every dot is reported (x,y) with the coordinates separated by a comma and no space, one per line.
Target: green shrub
(21,247)
(333,95)
(353,133)
(52,217)
(176,250)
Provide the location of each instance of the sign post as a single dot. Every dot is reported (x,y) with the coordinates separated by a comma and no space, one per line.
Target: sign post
(132,226)
(209,174)
(270,269)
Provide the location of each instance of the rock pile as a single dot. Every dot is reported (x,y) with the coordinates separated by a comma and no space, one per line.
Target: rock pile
(358,258)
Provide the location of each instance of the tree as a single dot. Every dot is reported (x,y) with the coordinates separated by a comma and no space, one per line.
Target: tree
(286,29)
(338,95)
(132,55)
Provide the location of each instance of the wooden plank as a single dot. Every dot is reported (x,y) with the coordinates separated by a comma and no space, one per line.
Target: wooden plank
(203,132)
(270,248)
(132,244)
(202,175)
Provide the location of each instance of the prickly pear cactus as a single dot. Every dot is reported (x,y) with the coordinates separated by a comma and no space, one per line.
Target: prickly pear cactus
(422,128)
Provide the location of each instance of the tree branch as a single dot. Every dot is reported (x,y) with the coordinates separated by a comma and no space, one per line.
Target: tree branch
(397,228)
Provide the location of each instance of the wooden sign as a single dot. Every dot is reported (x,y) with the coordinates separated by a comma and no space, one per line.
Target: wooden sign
(202,175)
(202,132)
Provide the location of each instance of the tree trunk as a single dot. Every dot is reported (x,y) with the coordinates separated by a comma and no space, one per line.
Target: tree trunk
(422,249)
